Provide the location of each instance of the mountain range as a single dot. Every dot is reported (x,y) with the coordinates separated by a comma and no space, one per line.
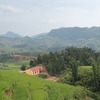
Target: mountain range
(56,38)
(71,36)
(10,34)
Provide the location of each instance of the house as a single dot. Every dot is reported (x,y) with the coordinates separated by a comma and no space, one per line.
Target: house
(37,70)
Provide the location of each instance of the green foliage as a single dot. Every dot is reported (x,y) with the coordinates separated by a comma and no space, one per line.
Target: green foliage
(31,63)
(42,76)
(56,62)
(96,78)
(5,57)
(74,68)
(59,62)
(25,87)
(12,65)
(23,67)
(87,77)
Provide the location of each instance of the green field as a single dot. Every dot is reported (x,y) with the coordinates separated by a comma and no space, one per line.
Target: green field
(19,86)
(14,65)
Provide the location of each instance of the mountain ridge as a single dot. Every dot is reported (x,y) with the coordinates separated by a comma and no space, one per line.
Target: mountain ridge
(58,38)
(10,34)
(73,36)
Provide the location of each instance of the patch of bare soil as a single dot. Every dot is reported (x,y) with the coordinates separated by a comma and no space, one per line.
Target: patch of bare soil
(8,92)
(52,78)
(86,98)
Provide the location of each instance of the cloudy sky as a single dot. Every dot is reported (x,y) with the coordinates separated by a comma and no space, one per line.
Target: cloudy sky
(29,17)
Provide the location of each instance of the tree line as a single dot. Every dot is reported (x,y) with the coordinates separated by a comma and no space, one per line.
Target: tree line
(71,58)
(56,62)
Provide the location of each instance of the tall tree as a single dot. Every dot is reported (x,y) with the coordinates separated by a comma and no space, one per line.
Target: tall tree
(74,67)
(96,86)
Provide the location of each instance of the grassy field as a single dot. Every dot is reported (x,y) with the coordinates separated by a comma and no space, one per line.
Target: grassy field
(14,65)
(19,86)
(85,67)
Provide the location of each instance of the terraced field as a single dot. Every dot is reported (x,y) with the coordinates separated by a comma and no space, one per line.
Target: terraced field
(19,86)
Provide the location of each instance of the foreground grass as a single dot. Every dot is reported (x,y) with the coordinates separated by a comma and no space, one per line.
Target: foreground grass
(19,86)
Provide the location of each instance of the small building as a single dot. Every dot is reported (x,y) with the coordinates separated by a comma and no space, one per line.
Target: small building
(37,70)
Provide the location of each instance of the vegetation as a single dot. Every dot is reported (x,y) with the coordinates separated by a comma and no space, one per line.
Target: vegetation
(15,86)
(74,66)
(4,57)
(60,61)
(23,67)
(14,65)
(53,40)
(70,59)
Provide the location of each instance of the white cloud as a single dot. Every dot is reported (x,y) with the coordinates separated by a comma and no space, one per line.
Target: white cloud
(10,8)
(36,16)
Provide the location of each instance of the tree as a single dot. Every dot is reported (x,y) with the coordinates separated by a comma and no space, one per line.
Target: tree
(31,63)
(74,67)
(23,67)
(96,84)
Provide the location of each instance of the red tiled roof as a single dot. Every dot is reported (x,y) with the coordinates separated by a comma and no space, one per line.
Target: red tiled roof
(35,68)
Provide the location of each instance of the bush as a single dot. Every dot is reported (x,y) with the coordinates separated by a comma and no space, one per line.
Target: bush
(42,76)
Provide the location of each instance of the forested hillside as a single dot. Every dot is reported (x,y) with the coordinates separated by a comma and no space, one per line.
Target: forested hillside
(69,61)
(53,40)
(72,36)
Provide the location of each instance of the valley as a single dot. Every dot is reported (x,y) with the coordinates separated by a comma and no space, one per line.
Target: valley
(71,57)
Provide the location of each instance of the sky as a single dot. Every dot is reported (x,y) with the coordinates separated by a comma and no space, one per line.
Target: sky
(30,17)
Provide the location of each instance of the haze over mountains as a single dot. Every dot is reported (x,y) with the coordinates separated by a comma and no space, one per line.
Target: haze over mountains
(62,37)
(10,34)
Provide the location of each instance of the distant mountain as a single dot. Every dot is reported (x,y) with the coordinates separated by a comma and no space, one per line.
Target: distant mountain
(72,36)
(10,34)
(56,39)
(39,35)
(75,33)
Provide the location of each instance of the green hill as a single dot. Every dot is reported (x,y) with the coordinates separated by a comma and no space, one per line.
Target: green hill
(56,38)
(19,86)
(72,36)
